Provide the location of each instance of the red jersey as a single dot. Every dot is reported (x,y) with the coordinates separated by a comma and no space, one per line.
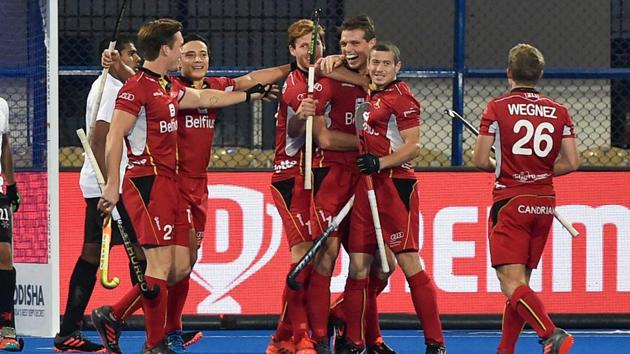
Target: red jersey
(391,111)
(195,130)
(152,141)
(337,103)
(528,129)
(289,158)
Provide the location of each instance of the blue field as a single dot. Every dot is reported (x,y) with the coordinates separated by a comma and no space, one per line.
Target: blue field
(404,341)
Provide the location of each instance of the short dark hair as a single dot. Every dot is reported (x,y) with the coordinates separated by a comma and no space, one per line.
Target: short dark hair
(387,47)
(361,22)
(154,34)
(195,37)
(121,41)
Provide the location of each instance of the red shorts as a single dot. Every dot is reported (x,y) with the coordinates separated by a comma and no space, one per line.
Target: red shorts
(293,204)
(518,229)
(332,188)
(149,201)
(193,209)
(397,202)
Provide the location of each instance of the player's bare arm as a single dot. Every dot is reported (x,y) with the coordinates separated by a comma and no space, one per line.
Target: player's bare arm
(210,98)
(332,139)
(568,159)
(346,75)
(122,122)
(327,64)
(97,138)
(7,160)
(481,154)
(263,76)
(408,151)
(296,125)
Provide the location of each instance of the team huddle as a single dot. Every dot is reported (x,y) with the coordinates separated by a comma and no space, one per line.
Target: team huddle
(152,136)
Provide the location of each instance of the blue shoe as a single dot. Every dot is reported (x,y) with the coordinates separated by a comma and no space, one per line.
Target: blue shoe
(176,342)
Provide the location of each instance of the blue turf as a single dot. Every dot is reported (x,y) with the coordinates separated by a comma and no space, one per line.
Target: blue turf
(404,341)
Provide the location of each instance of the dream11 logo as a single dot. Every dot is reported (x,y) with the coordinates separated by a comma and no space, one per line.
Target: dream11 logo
(239,220)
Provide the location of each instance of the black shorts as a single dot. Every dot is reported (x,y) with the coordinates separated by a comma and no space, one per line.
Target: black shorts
(93,228)
(6,219)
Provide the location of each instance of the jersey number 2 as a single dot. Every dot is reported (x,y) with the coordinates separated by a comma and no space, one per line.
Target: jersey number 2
(539,135)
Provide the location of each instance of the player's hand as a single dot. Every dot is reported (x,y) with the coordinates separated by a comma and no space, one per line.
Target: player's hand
(368,163)
(267,92)
(109,58)
(14,197)
(108,199)
(326,65)
(306,109)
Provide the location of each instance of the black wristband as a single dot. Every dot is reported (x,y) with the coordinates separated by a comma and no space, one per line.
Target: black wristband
(248,96)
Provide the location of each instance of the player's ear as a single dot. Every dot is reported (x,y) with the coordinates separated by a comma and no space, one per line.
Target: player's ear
(509,73)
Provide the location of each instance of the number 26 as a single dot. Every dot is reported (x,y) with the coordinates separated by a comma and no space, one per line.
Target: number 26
(539,135)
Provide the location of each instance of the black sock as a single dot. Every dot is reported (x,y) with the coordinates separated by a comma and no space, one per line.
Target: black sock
(132,273)
(7,291)
(81,286)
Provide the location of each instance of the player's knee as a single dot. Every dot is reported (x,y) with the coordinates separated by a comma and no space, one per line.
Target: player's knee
(91,253)
(508,285)
(409,262)
(6,256)
(326,263)
(358,270)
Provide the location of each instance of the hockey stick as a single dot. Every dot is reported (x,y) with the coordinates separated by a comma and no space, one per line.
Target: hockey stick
(104,73)
(131,253)
(566,224)
(103,265)
(308,158)
(317,245)
(360,110)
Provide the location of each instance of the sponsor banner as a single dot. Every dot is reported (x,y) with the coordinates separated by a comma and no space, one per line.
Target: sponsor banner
(33,299)
(244,257)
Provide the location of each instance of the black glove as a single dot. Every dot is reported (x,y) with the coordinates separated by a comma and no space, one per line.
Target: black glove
(258,88)
(368,164)
(14,196)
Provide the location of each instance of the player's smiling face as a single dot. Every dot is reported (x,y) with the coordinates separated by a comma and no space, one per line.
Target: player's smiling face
(355,48)
(382,68)
(300,50)
(195,60)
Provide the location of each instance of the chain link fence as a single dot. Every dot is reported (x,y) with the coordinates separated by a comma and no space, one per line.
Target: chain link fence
(586,45)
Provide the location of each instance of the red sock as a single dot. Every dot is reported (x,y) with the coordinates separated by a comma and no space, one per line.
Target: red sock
(297,305)
(354,308)
(372,328)
(284,331)
(128,304)
(177,295)
(532,310)
(511,328)
(425,302)
(336,309)
(318,304)
(155,312)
